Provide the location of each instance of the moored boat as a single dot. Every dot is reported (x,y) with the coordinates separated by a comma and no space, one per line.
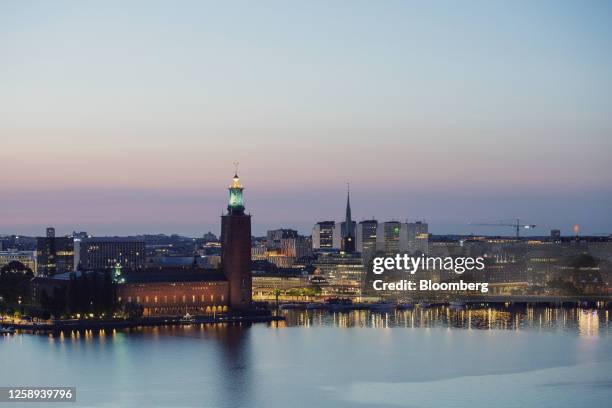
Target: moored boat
(187,319)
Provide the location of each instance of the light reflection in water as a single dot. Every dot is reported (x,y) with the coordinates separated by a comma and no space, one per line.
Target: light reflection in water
(586,322)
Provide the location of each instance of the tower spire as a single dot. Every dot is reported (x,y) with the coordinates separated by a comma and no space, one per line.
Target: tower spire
(236,203)
(348,209)
(348,235)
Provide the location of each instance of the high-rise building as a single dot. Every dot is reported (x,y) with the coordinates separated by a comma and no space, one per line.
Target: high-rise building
(323,235)
(54,255)
(100,253)
(274,237)
(417,237)
(365,238)
(296,247)
(388,237)
(236,248)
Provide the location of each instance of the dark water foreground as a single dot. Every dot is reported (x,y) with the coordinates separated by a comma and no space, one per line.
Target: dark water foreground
(434,357)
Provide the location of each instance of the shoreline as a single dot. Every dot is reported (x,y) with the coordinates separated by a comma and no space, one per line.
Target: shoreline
(64,325)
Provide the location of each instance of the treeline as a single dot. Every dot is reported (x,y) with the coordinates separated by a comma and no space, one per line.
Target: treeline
(85,294)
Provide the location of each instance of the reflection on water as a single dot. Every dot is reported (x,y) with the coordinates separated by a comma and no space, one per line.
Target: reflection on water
(312,360)
(586,322)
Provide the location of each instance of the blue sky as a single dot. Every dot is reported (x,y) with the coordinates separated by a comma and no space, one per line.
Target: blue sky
(125,117)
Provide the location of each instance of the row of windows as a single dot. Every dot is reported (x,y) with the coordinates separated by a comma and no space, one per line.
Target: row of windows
(183,298)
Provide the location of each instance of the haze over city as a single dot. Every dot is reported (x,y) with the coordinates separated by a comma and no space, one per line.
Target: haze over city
(125,118)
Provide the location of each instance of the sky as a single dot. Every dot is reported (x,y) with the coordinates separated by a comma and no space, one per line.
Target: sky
(126,117)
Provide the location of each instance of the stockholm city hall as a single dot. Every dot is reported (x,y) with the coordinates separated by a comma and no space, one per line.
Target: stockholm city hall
(199,291)
(236,248)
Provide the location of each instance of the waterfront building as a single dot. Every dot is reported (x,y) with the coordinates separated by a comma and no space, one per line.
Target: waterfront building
(236,248)
(265,284)
(195,290)
(344,272)
(175,291)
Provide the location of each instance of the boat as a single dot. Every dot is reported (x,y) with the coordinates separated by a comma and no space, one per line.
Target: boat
(187,319)
(423,304)
(7,330)
(382,307)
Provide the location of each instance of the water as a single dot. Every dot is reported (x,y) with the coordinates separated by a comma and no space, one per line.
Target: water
(422,358)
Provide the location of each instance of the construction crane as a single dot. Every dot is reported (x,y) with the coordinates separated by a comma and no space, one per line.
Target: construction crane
(516,225)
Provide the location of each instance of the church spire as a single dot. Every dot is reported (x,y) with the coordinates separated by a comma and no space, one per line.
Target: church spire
(348,220)
(348,233)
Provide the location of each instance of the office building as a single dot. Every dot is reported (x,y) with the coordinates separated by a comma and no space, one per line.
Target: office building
(27,258)
(54,255)
(388,237)
(417,234)
(100,253)
(365,237)
(323,235)
(274,237)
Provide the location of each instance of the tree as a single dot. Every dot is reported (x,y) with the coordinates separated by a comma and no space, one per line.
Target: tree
(133,310)
(16,267)
(276,292)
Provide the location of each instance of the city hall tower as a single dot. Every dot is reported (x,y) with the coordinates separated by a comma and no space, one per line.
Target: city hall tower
(236,248)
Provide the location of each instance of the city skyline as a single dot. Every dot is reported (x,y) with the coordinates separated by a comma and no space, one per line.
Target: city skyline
(121,122)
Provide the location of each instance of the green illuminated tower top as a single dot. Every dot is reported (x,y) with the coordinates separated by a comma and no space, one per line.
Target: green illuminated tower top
(236,202)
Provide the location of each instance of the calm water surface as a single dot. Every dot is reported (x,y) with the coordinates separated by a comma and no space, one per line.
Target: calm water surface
(423,358)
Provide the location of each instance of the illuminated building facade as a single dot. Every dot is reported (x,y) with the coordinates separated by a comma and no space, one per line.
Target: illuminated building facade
(388,237)
(27,258)
(176,291)
(344,272)
(323,235)
(417,238)
(193,290)
(365,237)
(54,255)
(106,252)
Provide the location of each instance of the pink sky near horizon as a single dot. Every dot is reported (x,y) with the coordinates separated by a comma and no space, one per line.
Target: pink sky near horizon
(122,121)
